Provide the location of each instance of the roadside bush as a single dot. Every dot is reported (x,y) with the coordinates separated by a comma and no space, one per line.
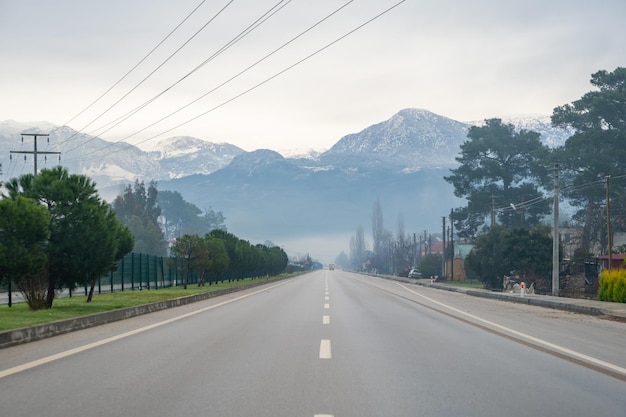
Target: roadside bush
(613,285)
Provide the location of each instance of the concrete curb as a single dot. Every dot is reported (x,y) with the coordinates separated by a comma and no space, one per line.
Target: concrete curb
(531,300)
(30,334)
(615,311)
(565,304)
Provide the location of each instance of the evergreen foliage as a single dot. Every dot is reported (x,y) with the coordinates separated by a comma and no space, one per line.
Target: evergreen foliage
(182,217)
(84,238)
(137,209)
(596,151)
(522,252)
(500,166)
(24,233)
(220,256)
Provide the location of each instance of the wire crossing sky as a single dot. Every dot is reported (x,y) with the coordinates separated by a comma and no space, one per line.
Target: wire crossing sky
(464,60)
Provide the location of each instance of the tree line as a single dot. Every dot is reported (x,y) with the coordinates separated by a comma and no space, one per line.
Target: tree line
(56,232)
(507,178)
(221,255)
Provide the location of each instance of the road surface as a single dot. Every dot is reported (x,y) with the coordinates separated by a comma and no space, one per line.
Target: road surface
(328,343)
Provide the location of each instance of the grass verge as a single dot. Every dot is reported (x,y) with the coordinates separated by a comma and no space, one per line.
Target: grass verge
(19,315)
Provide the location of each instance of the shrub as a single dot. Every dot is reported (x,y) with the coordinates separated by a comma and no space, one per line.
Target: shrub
(613,285)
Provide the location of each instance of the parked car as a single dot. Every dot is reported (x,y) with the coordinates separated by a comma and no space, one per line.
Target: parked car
(415,273)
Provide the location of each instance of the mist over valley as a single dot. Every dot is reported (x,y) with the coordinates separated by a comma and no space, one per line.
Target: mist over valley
(305,204)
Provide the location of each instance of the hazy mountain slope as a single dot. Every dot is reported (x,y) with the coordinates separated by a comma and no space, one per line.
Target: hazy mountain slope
(265,196)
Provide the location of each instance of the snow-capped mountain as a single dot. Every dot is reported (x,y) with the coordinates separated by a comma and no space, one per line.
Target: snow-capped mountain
(110,164)
(11,127)
(302,153)
(181,156)
(411,139)
(265,195)
(107,163)
(550,136)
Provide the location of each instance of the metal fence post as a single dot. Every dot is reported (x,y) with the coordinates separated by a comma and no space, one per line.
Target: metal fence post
(162,274)
(132,271)
(156,275)
(122,273)
(140,273)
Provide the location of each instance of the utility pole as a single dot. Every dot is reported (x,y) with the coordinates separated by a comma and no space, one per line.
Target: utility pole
(555,236)
(452,244)
(443,250)
(415,264)
(420,251)
(493,210)
(35,152)
(608,223)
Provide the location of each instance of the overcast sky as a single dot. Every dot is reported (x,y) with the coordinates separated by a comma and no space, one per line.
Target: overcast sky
(463,59)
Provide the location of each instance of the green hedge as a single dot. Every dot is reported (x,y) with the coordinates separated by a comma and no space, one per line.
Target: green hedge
(613,285)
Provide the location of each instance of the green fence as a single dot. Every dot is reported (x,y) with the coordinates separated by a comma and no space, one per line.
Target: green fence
(136,271)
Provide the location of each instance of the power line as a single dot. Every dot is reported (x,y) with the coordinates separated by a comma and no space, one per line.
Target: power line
(228,80)
(280,72)
(229,44)
(522,205)
(153,71)
(273,76)
(136,65)
(600,183)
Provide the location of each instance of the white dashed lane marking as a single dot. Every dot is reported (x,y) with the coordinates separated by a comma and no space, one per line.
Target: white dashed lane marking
(325,352)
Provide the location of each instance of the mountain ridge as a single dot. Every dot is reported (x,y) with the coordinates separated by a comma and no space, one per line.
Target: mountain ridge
(410,140)
(289,200)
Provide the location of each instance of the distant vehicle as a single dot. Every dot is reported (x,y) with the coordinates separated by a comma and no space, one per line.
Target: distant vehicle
(404,273)
(331,267)
(415,273)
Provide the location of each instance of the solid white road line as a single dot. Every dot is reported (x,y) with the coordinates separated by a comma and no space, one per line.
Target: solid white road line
(541,342)
(65,354)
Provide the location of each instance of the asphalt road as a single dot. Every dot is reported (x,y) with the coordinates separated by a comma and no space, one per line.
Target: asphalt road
(329,343)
